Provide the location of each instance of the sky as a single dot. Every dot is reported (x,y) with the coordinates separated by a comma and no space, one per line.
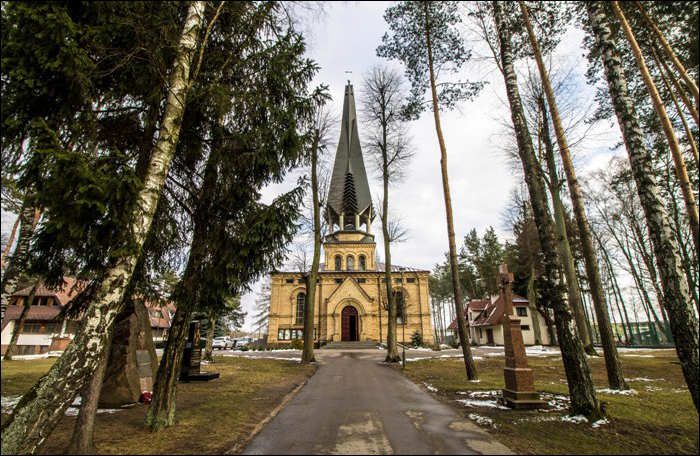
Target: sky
(344,40)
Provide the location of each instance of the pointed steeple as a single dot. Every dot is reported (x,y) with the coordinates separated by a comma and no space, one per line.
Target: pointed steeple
(348,195)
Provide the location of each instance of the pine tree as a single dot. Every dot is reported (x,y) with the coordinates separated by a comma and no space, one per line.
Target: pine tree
(425,40)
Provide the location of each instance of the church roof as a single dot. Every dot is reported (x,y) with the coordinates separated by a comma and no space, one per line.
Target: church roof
(379,267)
(349,189)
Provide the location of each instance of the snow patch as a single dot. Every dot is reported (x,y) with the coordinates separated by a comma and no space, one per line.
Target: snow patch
(642,379)
(482,404)
(629,392)
(482,420)
(638,356)
(576,419)
(430,387)
(600,423)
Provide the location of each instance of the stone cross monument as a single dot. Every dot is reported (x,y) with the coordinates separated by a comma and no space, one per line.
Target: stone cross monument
(519,392)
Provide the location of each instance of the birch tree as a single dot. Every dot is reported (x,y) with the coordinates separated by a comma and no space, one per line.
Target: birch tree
(612,362)
(52,394)
(684,323)
(583,397)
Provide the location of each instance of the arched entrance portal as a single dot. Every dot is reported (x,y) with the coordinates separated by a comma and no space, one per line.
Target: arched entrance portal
(351,324)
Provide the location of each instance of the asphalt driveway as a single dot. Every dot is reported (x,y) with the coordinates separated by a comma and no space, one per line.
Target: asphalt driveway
(355,404)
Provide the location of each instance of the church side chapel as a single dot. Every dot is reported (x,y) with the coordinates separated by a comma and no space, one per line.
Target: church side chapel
(351,304)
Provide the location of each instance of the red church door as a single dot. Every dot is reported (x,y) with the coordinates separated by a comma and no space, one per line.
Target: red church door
(350,325)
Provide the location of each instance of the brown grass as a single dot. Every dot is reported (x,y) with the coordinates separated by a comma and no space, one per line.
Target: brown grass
(212,417)
(660,419)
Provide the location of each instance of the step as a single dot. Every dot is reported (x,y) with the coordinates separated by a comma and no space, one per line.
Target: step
(362,345)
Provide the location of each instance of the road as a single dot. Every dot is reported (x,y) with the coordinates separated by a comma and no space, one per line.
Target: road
(355,404)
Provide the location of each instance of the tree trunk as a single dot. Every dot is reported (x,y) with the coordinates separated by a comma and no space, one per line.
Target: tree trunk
(392,352)
(681,116)
(692,86)
(532,299)
(9,352)
(578,374)
(612,362)
(211,325)
(41,408)
(684,324)
(161,412)
(679,161)
(462,328)
(82,441)
(312,277)
(11,240)
(567,257)
(18,260)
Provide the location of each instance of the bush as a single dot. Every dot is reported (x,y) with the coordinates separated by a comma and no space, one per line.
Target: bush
(455,343)
(416,340)
(297,344)
(245,348)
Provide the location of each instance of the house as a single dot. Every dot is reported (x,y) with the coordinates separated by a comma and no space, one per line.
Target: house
(44,331)
(485,318)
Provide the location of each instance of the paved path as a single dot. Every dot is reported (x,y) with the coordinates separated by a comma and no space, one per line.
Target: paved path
(354,404)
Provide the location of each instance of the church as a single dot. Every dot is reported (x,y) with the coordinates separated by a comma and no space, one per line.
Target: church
(350,304)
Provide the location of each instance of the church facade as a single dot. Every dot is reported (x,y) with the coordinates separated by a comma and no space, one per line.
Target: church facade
(350,302)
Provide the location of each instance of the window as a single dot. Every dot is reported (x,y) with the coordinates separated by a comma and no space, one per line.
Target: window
(338,263)
(301,281)
(301,300)
(411,280)
(398,280)
(522,311)
(290,280)
(361,280)
(351,263)
(362,263)
(157,314)
(400,307)
(525,328)
(338,280)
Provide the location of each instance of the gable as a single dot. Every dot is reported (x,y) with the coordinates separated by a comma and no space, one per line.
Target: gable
(349,289)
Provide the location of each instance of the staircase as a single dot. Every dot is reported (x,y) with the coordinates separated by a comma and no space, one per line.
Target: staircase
(364,345)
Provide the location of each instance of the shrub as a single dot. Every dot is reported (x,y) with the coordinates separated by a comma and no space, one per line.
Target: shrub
(297,344)
(416,339)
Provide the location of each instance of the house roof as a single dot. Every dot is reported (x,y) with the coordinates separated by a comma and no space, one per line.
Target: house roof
(63,296)
(71,287)
(474,305)
(36,313)
(492,312)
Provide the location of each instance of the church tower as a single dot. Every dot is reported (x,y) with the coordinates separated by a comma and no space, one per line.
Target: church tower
(350,245)
(350,303)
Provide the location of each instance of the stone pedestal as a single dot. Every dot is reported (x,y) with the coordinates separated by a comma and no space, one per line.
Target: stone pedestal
(132,363)
(519,392)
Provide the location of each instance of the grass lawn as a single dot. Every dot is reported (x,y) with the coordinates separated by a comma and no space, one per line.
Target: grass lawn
(212,417)
(659,419)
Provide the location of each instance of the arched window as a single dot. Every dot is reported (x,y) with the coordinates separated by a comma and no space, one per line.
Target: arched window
(361,263)
(400,307)
(351,263)
(301,301)
(338,263)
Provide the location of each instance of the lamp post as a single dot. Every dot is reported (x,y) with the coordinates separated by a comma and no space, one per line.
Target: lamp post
(403,318)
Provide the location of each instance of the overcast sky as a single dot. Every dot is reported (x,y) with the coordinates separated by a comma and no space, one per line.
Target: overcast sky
(481,179)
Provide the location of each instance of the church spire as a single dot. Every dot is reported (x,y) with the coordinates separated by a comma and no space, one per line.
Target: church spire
(349,199)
